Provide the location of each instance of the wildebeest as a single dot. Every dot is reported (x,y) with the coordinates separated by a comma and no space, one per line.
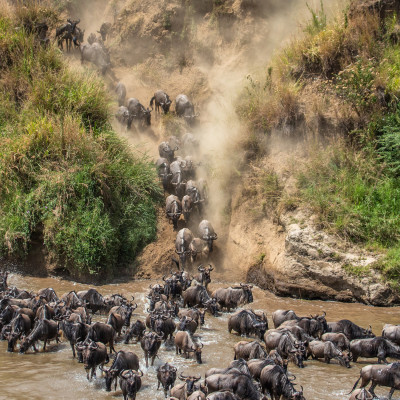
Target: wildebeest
(139,112)
(72,300)
(247,322)
(130,383)
(198,296)
(120,91)
(194,313)
(74,332)
(392,332)
(190,144)
(185,109)
(207,233)
(164,326)
(198,250)
(162,100)
(94,354)
(204,275)
(277,384)
(287,346)
(166,376)
(231,297)
(182,246)
(66,32)
(177,180)
(280,316)
(94,300)
(236,366)
(20,325)
(183,390)
(375,347)
(173,209)
(240,384)
(350,329)
(104,333)
(137,329)
(327,350)
(124,360)
(95,54)
(165,150)
(185,344)
(339,339)
(257,365)
(187,324)
(44,330)
(382,375)
(150,344)
(186,207)
(104,30)
(249,350)
(314,326)
(361,394)
(48,293)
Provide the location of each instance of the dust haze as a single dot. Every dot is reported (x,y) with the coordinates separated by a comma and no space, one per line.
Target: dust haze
(210,67)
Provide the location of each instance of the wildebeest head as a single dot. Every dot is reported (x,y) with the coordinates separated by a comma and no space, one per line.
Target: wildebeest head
(212,306)
(132,382)
(109,374)
(190,381)
(368,332)
(197,352)
(344,359)
(151,341)
(298,355)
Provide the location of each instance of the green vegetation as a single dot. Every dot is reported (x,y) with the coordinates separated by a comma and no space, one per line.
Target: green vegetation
(346,71)
(64,174)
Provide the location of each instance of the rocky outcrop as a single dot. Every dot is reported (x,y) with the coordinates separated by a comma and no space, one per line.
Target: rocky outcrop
(384,8)
(317,265)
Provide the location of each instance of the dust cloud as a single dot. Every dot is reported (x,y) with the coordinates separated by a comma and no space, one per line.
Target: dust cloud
(210,67)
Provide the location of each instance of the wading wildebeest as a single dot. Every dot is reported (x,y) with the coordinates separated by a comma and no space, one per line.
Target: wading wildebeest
(166,376)
(130,383)
(375,347)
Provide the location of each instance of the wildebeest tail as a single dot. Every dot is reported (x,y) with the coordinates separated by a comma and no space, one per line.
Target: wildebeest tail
(355,385)
(152,100)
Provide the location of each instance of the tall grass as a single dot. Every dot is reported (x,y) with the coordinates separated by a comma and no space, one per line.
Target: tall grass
(64,174)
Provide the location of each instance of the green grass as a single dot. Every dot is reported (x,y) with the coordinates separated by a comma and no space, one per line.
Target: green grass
(64,174)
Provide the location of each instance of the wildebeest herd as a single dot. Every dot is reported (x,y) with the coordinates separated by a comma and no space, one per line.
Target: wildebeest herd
(178,307)
(176,311)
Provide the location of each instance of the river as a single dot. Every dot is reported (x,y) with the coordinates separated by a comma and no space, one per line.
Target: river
(56,375)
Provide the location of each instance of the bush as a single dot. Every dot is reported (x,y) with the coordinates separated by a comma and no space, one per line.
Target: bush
(64,174)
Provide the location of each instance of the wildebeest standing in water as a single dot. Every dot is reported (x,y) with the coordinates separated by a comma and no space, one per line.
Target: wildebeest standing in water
(130,383)
(166,376)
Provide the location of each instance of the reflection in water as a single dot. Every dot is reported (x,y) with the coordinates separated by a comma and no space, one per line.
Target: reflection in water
(56,375)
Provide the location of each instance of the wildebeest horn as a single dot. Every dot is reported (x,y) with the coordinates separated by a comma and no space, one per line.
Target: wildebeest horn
(202,345)
(138,374)
(210,268)
(182,377)
(120,374)
(200,266)
(197,378)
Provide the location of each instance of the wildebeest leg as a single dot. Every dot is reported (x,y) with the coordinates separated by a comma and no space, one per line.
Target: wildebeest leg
(73,349)
(44,345)
(152,360)
(112,347)
(391,393)
(372,389)
(176,349)
(147,361)
(327,360)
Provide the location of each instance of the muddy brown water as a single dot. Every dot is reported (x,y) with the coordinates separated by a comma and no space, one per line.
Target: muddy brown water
(56,375)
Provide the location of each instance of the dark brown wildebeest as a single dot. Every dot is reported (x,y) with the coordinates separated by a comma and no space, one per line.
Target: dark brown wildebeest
(382,375)
(150,344)
(240,384)
(257,365)
(72,300)
(194,313)
(249,350)
(74,332)
(207,233)
(162,100)
(104,333)
(276,383)
(327,350)
(182,245)
(116,321)
(166,376)
(130,383)
(204,275)
(20,325)
(137,330)
(49,294)
(95,301)
(120,90)
(139,112)
(231,297)
(187,324)
(183,390)
(247,322)
(185,344)
(124,360)
(222,395)
(350,329)
(94,354)
(314,326)
(198,296)
(44,330)
(375,347)
(104,30)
